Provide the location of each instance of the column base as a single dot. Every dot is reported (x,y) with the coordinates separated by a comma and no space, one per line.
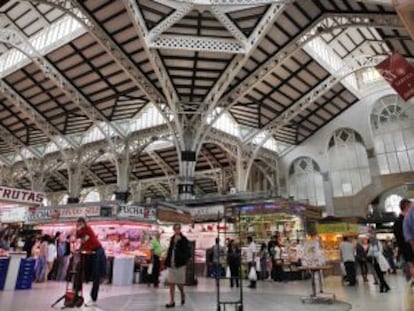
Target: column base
(73,200)
(185,191)
(121,196)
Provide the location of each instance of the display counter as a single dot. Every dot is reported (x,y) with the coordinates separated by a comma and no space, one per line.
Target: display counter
(123,270)
(16,272)
(331,235)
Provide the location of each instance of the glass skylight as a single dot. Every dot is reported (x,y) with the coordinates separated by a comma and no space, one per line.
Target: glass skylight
(327,58)
(149,117)
(59,33)
(225,123)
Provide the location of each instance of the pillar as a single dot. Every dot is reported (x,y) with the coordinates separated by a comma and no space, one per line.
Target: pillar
(38,181)
(123,170)
(106,192)
(137,192)
(328,193)
(241,178)
(54,198)
(187,173)
(76,175)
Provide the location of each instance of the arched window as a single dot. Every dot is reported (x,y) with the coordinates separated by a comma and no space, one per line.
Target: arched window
(64,200)
(92,196)
(392,122)
(348,163)
(306,182)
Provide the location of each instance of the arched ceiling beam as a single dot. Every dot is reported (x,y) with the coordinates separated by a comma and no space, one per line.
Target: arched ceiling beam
(78,10)
(167,86)
(37,118)
(298,107)
(17,40)
(325,24)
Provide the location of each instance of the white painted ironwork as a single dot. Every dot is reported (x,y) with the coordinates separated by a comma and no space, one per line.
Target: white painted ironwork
(181,9)
(194,43)
(157,64)
(213,97)
(229,24)
(17,40)
(120,57)
(294,110)
(37,118)
(325,24)
(227,2)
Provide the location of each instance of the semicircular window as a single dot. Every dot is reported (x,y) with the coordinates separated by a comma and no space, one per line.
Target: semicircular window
(392,123)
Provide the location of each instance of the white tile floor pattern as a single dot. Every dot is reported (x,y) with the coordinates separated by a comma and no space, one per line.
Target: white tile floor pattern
(268,296)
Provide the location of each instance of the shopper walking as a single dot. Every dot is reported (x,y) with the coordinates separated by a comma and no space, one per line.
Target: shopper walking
(156,254)
(348,258)
(51,258)
(90,244)
(271,249)
(41,263)
(177,258)
(362,257)
(405,252)
(278,261)
(233,261)
(408,227)
(380,264)
(263,262)
(251,256)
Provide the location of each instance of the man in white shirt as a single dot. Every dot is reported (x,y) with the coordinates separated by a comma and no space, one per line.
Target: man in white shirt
(348,258)
(251,256)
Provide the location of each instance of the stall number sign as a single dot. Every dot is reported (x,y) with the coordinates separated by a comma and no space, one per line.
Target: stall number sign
(16,214)
(72,212)
(140,212)
(21,196)
(200,213)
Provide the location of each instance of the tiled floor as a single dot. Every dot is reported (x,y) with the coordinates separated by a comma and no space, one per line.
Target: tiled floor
(268,296)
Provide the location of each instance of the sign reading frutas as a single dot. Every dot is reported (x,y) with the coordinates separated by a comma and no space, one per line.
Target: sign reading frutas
(399,73)
(21,196)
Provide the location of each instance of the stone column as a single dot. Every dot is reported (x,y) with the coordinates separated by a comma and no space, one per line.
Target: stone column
(123,170)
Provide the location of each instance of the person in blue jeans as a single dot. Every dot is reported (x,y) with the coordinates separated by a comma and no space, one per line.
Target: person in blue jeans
(91,245)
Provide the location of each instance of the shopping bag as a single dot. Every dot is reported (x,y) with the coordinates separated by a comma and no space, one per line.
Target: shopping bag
(228,273)
(164,277)
(150,267)
(252,274)
(383,263)
(258,267)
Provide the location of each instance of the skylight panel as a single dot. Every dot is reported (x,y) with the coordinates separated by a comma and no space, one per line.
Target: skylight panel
(57,34)
(225,123)
(150,117)
(327,58)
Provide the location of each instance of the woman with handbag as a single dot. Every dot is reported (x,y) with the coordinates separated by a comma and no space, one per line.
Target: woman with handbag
(177,258)
(380,264)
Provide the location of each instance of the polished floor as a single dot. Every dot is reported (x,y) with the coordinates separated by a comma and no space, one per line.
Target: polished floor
(268,296)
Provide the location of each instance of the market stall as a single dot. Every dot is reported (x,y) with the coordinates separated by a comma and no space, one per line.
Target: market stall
(285,218)
(331,231)
(16,271)
(123,230)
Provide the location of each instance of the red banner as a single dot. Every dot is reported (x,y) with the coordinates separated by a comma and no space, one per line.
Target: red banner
(399,73)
